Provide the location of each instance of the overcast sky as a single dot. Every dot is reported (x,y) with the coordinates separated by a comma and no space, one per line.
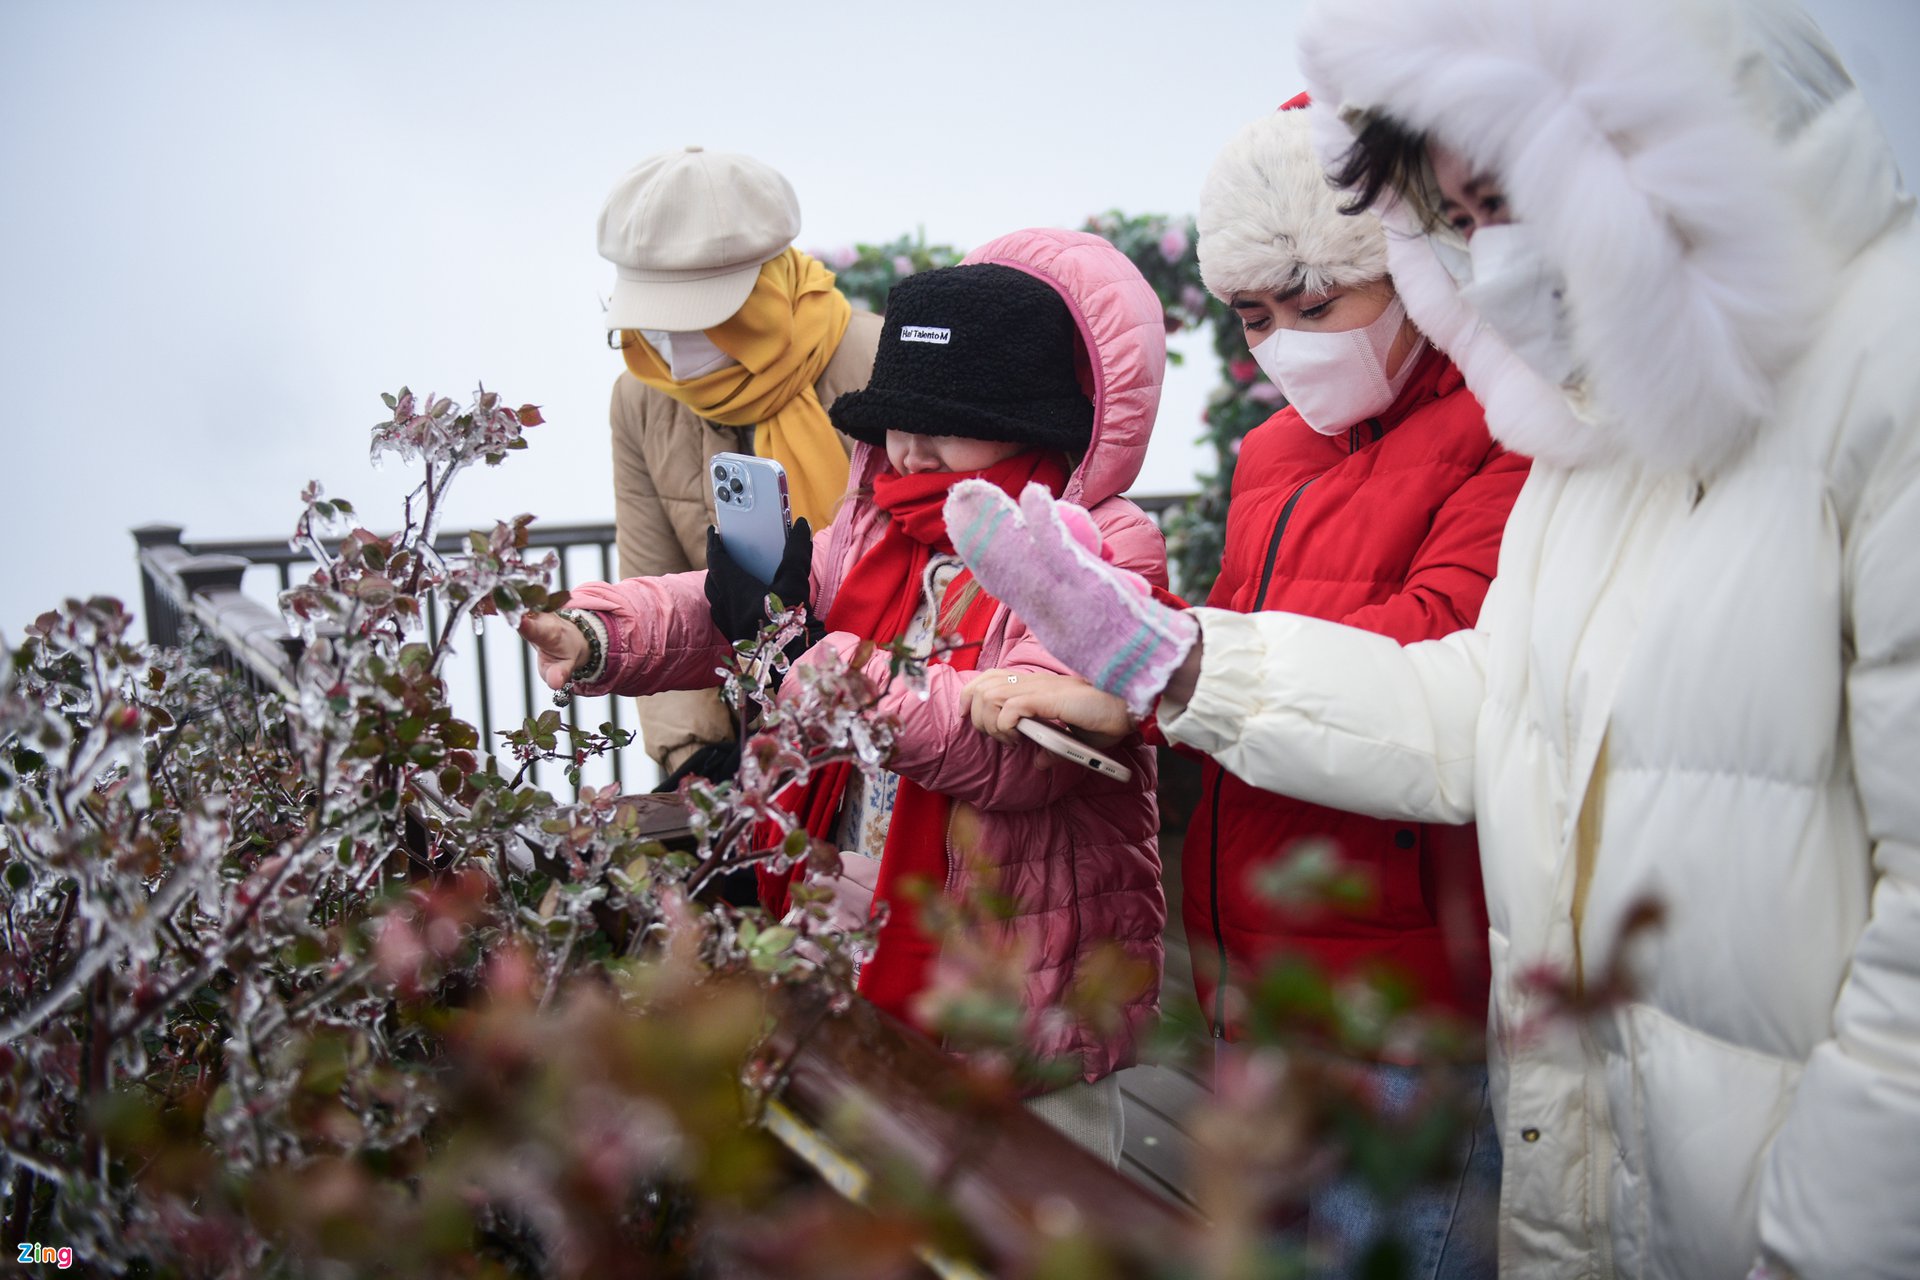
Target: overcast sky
(226,228)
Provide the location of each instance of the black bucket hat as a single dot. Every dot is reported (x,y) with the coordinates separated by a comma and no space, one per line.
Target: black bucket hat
(983,351)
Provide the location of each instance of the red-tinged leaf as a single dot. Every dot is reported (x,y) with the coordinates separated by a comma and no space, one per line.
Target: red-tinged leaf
(374,589)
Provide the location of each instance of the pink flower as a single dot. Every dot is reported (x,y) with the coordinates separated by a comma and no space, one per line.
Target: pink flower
(1173,245)
(903,265)
(1243,370)
(1264,393)
(1193,298)
(842,258)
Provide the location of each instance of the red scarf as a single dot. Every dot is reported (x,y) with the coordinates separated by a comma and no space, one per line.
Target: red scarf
(878,599)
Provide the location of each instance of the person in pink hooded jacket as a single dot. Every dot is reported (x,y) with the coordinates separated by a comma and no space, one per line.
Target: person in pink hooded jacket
(1040,358)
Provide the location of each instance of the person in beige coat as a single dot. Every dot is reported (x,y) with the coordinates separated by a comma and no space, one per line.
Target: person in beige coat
(734,341)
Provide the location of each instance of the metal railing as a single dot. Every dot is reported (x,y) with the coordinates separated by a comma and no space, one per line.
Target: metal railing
(491,680)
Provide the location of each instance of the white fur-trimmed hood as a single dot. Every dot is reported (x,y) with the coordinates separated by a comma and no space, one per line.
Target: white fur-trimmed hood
(1268,220)
(1630,137)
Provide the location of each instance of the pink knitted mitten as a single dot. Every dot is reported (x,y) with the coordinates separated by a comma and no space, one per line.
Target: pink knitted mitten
(1042,560)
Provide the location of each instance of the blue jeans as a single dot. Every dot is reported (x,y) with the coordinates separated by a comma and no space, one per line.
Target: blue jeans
(1449,1231)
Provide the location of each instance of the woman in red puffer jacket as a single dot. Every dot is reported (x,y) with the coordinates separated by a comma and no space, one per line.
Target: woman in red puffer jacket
(1376,498)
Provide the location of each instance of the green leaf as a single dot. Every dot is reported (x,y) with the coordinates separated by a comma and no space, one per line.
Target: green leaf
(770,946)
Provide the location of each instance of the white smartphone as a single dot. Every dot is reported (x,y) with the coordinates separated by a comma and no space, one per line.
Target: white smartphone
(1062,743)
(750,510)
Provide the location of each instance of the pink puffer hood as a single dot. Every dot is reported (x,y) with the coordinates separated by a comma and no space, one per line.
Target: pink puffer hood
(1123,329)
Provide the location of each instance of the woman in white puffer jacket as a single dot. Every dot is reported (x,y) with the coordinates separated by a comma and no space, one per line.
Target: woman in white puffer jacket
(1696,680)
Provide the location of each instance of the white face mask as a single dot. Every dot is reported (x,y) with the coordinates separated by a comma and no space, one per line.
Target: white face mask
(1337,379)
(689,355)
(1517,291)
(1450,247)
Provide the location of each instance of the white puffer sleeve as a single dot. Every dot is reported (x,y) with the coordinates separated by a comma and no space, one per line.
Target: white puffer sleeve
(1338,716)
(1837,1198)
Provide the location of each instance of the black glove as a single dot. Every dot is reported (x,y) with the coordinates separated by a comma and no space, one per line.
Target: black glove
(738,599)
(716,762)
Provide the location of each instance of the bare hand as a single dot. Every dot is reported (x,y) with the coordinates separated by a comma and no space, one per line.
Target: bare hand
(558,642)
(998,700)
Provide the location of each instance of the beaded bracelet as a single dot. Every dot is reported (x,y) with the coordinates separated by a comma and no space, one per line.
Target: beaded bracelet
(596,660)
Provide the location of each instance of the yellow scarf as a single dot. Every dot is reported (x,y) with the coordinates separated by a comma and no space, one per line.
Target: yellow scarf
(783,338)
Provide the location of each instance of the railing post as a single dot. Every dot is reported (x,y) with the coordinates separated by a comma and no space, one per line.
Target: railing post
(202,574)
(163,624)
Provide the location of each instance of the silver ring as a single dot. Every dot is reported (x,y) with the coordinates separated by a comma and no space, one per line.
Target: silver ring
(1013,679)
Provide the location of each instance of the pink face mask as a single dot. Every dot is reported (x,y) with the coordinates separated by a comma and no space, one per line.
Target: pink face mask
(1337,379)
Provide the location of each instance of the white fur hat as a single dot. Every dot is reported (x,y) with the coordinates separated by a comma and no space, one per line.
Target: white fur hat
(1679,149)
(1270,220)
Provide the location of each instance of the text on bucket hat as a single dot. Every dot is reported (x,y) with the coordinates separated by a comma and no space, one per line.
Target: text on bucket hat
(1269,220)
(687,232)
(983,351)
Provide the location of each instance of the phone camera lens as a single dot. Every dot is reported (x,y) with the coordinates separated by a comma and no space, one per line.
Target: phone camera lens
(720,492)
(735,484)
(719,473)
